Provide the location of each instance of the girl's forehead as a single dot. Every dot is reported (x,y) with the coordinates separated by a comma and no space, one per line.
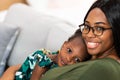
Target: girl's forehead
(78,41)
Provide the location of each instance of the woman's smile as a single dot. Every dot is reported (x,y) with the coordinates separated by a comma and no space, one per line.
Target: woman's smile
(92,45)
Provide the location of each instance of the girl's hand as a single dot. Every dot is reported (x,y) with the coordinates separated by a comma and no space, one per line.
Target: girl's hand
(53,57)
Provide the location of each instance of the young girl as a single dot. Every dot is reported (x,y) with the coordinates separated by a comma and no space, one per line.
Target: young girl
(72,51)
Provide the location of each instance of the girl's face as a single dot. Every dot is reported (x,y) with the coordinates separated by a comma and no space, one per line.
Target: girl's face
(72,52)
(98,45)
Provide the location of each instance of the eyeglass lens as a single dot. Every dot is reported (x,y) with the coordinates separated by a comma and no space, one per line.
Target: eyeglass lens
(96,30)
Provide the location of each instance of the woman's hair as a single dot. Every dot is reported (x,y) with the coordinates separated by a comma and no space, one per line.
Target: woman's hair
(111,9)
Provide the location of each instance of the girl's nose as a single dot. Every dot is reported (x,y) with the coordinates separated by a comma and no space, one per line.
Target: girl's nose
(70,60)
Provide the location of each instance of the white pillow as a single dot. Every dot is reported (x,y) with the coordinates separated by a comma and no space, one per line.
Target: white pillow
(57,36)
(8,36)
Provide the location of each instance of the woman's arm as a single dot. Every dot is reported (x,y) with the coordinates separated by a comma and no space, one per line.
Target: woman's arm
(38,72)
(10,73)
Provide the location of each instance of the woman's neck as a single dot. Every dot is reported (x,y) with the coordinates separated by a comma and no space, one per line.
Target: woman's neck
(110,53)
(114,56)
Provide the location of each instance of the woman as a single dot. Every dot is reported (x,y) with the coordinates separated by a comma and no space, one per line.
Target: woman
(101,32)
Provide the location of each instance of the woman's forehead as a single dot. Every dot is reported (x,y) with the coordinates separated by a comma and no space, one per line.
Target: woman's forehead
(96,16)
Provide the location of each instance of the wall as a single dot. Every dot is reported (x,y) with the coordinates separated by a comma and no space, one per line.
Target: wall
(4,4)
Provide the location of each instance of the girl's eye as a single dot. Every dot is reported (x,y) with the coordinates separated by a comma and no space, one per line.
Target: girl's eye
(69,50)
(77,60)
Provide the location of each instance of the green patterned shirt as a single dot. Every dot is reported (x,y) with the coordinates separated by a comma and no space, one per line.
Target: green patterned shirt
(38,57)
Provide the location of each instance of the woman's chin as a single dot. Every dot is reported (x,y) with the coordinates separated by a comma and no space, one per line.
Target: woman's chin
(93,52)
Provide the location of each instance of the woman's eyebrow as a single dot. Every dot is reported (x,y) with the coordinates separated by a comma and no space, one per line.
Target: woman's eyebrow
(95,22)
(100,23)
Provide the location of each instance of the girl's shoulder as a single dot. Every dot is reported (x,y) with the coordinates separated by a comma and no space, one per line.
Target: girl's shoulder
(46,51)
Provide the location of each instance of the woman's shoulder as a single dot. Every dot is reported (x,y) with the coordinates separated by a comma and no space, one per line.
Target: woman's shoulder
(107,68)
(100,69)
(105,64)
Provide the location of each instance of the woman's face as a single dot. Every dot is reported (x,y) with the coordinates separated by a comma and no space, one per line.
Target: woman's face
(98,45)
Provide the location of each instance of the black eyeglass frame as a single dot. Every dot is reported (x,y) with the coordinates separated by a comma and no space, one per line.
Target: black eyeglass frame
(93,29)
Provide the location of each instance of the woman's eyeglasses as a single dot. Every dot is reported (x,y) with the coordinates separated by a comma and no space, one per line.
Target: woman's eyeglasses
(98,31)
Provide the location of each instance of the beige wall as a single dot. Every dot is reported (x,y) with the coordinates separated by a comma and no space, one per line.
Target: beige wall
(4,4)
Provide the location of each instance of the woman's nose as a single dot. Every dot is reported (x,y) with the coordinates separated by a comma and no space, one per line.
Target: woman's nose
(90,33)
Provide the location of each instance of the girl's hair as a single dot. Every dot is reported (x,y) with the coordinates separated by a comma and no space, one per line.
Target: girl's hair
(111,9)
(76,34)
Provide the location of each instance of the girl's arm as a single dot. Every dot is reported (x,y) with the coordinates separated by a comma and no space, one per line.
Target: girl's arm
(38,72)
